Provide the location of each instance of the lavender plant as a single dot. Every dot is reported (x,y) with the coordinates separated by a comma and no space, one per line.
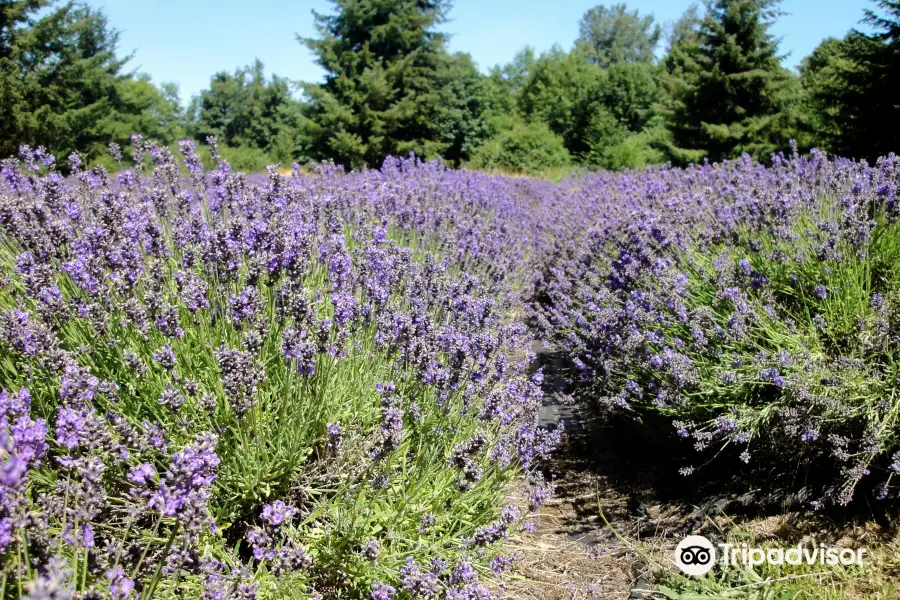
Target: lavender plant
(750,310)
(228,386)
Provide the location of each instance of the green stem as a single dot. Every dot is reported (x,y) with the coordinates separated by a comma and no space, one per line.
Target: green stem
(149,591)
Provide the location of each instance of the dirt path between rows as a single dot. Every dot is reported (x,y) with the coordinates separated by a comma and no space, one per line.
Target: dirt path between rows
(572,553)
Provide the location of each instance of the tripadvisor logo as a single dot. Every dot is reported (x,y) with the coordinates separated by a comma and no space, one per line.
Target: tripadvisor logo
(695,555)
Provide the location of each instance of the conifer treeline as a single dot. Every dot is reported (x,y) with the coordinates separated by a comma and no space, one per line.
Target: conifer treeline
(716,90)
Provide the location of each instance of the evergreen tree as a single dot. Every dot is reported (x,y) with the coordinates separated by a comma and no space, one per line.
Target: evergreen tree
(381,94)
(16,16)
(62,85)
(822,76)
(613,34)
(852,87)
(731,91)
(873,83)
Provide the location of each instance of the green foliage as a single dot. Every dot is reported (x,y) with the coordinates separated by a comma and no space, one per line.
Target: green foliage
(729,90)
(610,35)
(615,148)
(521,147)
(822,75)
(63,87)
(390,86)
(597,112)
(247,158)
(630,93)
(512,77)
(560,91)
(247,111)
(861,70)
(466,102)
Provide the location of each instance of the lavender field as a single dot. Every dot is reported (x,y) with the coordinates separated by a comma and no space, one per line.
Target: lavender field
(322,385)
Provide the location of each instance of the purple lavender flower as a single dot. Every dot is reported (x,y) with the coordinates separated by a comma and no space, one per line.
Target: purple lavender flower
(463,573)
(6,532)
(185,488)
(296,345)
(189,151)
(344,307)
(246,305)
(370,550)
(165,356)
(171,398)
(895,462)
(71,426)
(52,583)
(142,474)
(772,375)
(193,292)
(241,377)
(502,563)
(260,543)
(78,385)
(382,591)
(725,424)
(121,587)
(277,513)
(334,434)
(419,583)
(155,435)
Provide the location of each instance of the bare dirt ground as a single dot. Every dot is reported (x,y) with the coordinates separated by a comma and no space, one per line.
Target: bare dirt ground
(571,554)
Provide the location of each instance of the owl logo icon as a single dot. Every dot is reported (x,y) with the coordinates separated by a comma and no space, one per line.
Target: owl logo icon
(695,555)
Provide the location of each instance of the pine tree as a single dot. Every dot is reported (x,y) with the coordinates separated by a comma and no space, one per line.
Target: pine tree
(868,75)
(732,90)
(62,85)
(823,77)
(381,93)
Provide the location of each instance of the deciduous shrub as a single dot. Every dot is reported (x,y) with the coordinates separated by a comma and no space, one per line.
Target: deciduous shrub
(521,147)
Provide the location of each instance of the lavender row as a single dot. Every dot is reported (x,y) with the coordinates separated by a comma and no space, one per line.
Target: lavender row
(224,386)
(746,316)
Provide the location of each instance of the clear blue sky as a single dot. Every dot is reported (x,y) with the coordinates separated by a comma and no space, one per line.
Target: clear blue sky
(186,41)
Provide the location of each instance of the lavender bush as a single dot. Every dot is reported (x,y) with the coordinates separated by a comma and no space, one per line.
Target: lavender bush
(223,386)
(752,311)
